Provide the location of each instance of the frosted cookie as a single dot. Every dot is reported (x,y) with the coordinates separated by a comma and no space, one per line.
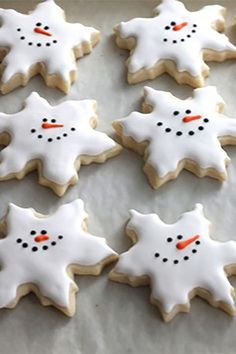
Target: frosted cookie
(42,42)
(42,253)
(176,41)
(174,134)
(179,261)
(55,140)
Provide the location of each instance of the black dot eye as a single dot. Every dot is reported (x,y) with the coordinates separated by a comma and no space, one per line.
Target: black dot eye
(169,239)
(167,27)
(179,237)
(176,261)
(186,258)
(156,255)
(43,232)
(206,120)
(45,120)
(18,29)
(197,242)
(45,248)
(38,24)
(194,25)
(53,243)
(53,120)
(176,113)
(34,249)
(60,237)
(173,23)
(165,260)
(188,111)
(19,240)
(32,232)
(46,28)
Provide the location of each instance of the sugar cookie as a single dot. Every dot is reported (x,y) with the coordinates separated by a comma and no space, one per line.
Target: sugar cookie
(42,42)
(176,134)
(56,140)
(176,41)
(179,261)
(42,253)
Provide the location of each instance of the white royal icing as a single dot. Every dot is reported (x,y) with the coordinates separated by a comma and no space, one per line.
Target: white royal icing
(157,39)
(28,47)
(26,260)
(161,128)
(175,272)
(57,147)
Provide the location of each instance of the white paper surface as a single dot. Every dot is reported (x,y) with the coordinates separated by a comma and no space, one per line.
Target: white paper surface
(114,318)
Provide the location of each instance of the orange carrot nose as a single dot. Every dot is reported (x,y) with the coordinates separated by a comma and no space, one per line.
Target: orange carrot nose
(182,244)
(42,31)
(49,125)
(41,238)
(180,26)
(188,119)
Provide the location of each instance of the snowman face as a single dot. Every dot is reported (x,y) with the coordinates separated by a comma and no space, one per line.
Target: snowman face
(178,249)
(183,122)
(39,35)
(52,130)
(37,241)
(178,31)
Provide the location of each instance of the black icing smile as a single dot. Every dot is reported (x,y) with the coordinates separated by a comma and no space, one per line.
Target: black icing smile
(40,241)
(192,249)
(55,130)
(192,30)
(186,118)
(42,32)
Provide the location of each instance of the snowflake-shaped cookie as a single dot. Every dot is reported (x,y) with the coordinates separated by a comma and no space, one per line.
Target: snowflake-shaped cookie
(42,42)
(56,140)
(176,134)
(176,41)
(41,254)
(179,260)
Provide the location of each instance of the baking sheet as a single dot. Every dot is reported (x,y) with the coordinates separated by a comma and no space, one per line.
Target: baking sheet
(113,318)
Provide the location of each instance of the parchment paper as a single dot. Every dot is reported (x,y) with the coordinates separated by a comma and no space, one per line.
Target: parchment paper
(113,318)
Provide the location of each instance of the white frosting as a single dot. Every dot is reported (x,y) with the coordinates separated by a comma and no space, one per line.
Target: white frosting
(55,51)
(166,149)
(155,43)
(29,140)
(172,282)
(47,268)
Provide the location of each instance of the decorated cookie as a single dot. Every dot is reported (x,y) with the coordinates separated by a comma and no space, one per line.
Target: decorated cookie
(42,42)
(56,140)
(174,134)
(179,261)
(176,41)
(41,254)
